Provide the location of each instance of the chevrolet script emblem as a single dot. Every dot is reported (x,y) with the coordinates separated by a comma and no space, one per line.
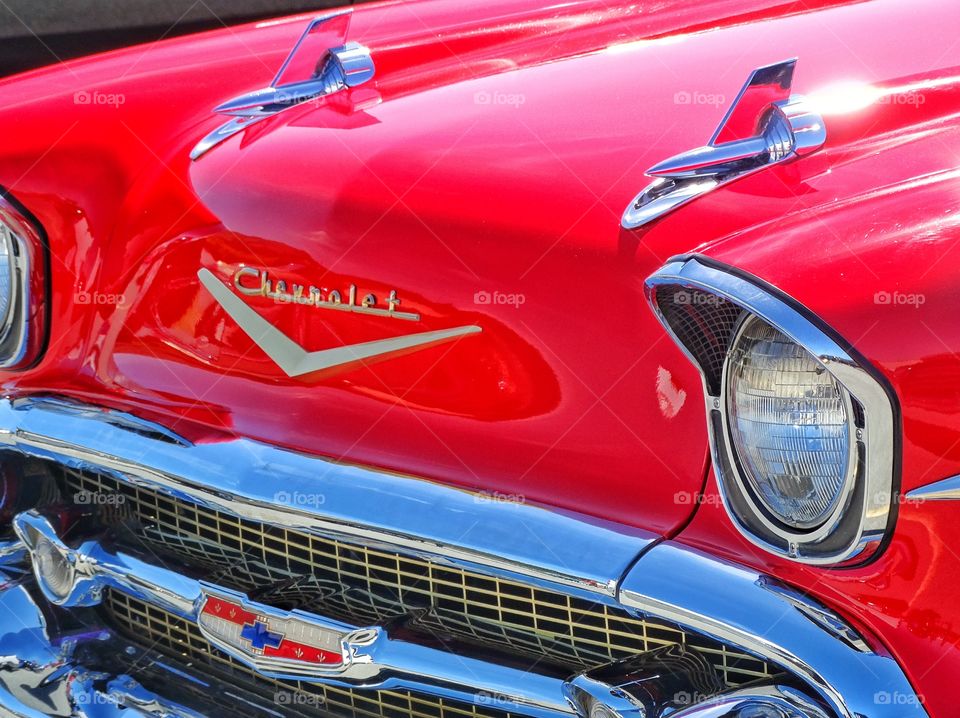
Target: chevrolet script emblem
(293,359)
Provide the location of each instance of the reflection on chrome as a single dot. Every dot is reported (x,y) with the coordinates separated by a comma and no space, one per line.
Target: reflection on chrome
(369,659)
(40,676)
(90,622)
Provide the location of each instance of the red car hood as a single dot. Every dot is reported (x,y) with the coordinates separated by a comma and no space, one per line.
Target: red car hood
(481,177)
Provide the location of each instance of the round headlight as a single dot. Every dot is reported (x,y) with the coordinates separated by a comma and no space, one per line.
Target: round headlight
(804,432)
(23,293)
(790,425)
(7,283)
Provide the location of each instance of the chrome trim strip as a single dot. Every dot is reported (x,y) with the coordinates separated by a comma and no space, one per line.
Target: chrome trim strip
(276,486)
(877,436)
(827,619)
(737,606)
(372,660)
(223,133)
(12,553)
(944,490)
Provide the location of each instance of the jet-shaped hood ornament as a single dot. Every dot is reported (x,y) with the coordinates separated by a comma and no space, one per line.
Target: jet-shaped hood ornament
(322,62)
(765,125)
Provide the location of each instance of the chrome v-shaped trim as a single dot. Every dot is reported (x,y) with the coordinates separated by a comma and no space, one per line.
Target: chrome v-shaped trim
(293,359)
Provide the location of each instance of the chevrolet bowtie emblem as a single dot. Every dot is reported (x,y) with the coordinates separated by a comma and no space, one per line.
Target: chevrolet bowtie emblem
(293,359)
(270,641)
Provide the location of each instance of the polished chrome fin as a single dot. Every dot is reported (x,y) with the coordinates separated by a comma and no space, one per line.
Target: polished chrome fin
(322,63)
(765,86)
(765,125)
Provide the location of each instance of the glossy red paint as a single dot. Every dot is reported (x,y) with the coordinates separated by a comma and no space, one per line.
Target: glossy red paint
(495,152)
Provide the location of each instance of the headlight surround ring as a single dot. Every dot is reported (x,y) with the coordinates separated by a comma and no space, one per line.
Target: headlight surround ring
(24,311)
(860,524)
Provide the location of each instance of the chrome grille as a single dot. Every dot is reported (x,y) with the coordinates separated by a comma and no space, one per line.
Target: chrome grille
(168,634)
(364,585)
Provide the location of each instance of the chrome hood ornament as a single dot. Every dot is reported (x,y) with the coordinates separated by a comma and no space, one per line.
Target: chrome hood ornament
(765,125)
(322,63)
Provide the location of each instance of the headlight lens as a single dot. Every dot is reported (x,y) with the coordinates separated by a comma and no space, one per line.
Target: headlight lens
(789,421)
(23,293)
(7,260)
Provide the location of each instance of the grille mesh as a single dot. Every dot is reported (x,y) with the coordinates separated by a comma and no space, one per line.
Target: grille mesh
(364,585)
(181,640)
(703,323)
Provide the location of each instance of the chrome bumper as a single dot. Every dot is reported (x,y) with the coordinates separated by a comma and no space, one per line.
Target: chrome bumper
(566,553)
(374,662)
(40,676)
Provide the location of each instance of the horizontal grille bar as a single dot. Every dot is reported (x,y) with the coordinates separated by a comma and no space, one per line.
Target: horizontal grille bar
(394,545)
(168,634)
(363,585)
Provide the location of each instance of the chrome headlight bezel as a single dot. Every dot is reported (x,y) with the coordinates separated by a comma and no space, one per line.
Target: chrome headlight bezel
(718,298)
(23,327)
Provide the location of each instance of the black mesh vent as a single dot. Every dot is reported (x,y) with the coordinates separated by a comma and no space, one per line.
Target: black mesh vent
(703,323)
